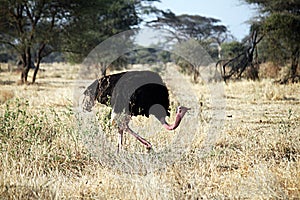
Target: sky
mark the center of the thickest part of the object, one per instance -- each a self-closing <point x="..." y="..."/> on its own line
<point x="233" y="13"/>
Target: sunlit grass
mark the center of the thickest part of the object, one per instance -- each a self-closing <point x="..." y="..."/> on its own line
<point x="257" y="154"/>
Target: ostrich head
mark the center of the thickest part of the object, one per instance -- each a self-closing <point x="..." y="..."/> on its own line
<point x="181" y="110"/>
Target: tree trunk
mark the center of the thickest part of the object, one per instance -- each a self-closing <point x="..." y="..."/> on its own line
<point x="254" y="68"/>
<point x="292" y="74"/>
<point x="24" y="73"/>
<point x="252" y="72"/>
<point x="39" y="59"/>
<point x="219" y="51"/>
<point x="294" y="65"/>
<point x="36" y="71"/>
<point x="26" y="65"/>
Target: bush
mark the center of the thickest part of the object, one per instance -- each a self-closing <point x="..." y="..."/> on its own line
<point x="42" y="140"/>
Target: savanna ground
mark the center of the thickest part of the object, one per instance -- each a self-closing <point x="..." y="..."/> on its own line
<point x="256" y="154"/>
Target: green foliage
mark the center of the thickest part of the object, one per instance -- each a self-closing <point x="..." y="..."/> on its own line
<point x="34" y="137"/>
<point x="190" y="56"/>
<point x="98" y="22"/>
<point x="232" y="49"/>
<point x="152" y="55"/>
<point x="104" y="118"/>
<point x="183" y="27"/>
<point x="208" y="32"/>
<point x="282" y="36"/>
<point x="280" y="23"/>
<point x="35" y="29"/>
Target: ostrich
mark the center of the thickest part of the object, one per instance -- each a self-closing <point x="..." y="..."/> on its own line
<point x="132" y="93"/>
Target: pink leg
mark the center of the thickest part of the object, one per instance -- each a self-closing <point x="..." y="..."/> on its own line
<point x="139" y="138"/>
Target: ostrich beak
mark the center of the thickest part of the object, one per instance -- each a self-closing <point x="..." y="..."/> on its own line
<point x="185" y="108"/>
<point x="182" y="108"/>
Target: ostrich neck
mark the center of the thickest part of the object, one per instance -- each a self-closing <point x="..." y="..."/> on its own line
<point x="173" y="126"/>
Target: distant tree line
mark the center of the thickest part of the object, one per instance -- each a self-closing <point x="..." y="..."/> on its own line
<point x="39" y="30"/>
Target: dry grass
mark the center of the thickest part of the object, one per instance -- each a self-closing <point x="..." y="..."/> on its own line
<point x="6" y="95"/>
<point x="269" y="70"/>
<point x="256" y="154"/>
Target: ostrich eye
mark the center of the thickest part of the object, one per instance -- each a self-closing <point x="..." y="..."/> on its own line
<point x="178" y="110"/>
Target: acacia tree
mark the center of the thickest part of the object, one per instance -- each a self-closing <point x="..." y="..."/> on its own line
<point x="280" y="23"/>
<point x="29" y="25"/>
<point x="181" y="28"/>
<point x="184" y="27"/>
<point x="36" y="28"/>
<point x="118" y="16"/>
<point x="242" y="57"/>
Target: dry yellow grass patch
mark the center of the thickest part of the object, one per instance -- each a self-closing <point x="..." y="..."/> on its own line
<point x="255" y="156"/>
<point x="6" y="95"/>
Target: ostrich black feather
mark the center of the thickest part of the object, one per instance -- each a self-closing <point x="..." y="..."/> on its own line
<point x="132" y="92"/>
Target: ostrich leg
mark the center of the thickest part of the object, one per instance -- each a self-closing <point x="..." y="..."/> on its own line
<point x="120" y="141"/>
<point x="123" y="126"/>
<point x="139" y="138"/>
